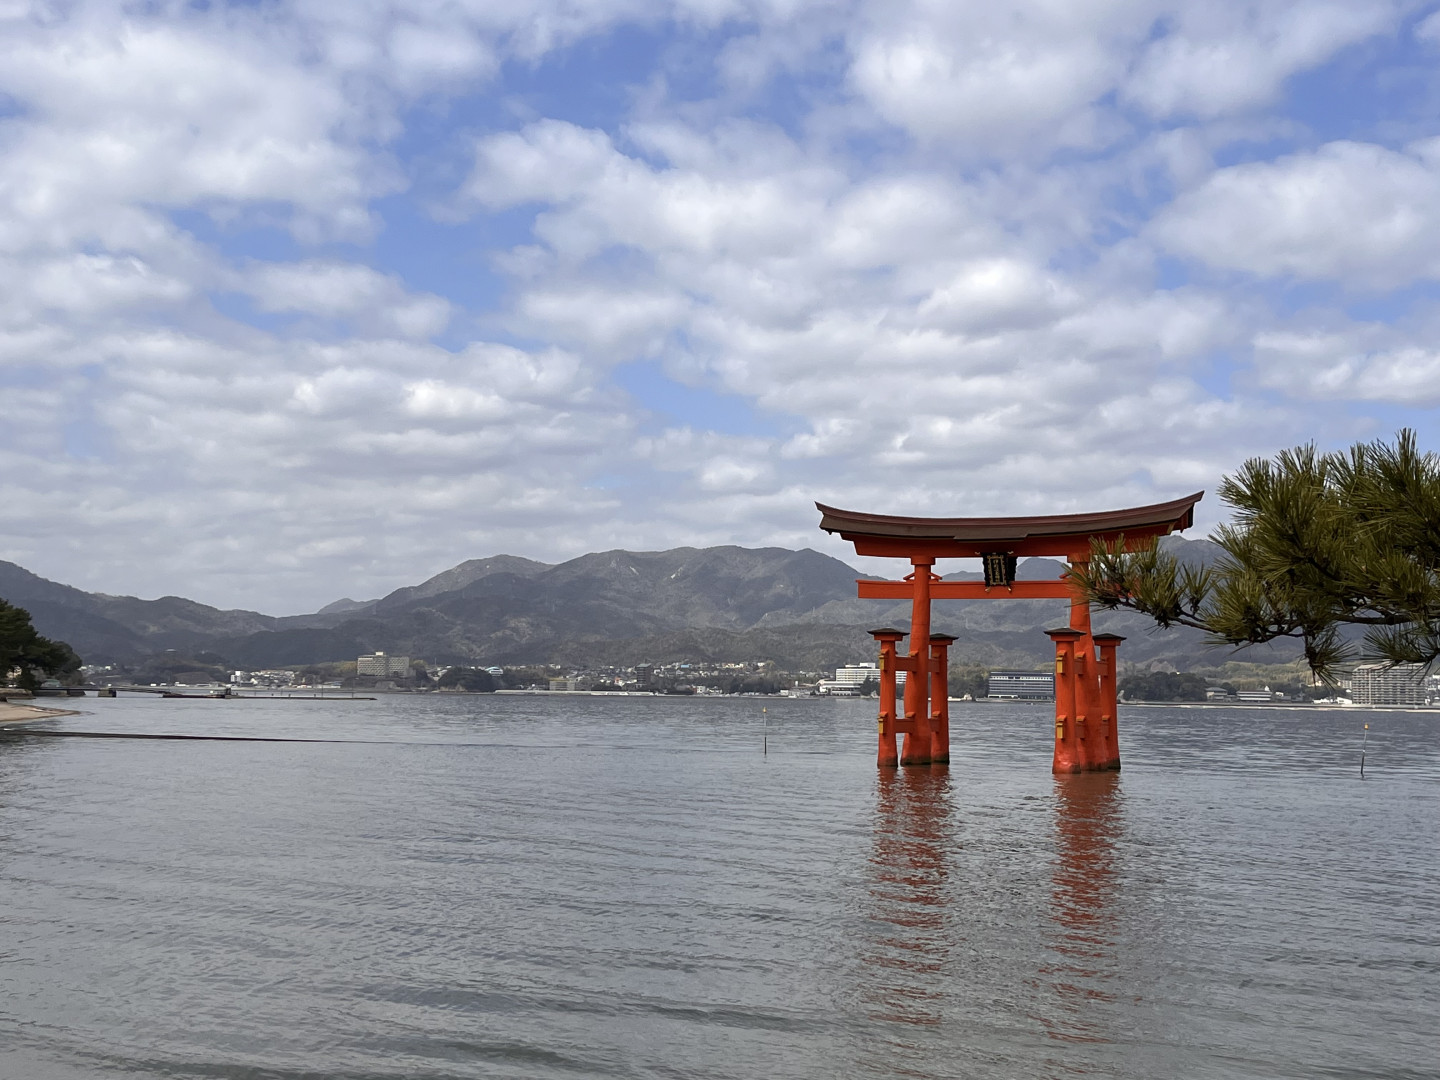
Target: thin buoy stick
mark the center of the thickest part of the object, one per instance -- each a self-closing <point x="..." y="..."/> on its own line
<point x="1363" y="741"/>
<point x="765" y="732"/>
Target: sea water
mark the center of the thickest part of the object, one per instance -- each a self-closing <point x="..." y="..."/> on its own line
<point x="533" y="886"/>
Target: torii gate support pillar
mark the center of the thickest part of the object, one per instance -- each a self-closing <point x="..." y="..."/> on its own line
<point x="940" y="698"/>
<point x="887" y="636"/>
<point x="919" y="742"/>
<point x="1109" y="698"/>
<point x="1070" y="756"/>
<point x="927" y="732"/>
<point x="1087" y="737"/>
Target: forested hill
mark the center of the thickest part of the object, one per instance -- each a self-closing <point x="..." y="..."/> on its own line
<point x="797" y="608"/>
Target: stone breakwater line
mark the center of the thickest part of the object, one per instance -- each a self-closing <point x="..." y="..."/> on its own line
<point x="52" y="733"/>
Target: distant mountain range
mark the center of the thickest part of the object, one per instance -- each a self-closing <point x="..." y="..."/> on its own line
<point x="797" y="608"/>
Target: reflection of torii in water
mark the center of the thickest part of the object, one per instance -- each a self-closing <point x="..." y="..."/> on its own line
<point x="1088" y="828"/>
<point x="1086" y="738"/>
<point x="952" y="955"/>
<point x="913" y="841"/>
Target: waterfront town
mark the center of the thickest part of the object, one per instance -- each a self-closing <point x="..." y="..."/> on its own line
<point x="1373" y="684"/>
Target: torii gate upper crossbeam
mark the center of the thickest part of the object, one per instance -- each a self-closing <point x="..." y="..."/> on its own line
<point x="1058" y="589"/>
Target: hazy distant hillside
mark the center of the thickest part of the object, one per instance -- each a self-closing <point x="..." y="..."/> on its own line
<point x="615" y="607"/>
<point x="508" y="610"/>
<point x="121" y="627"/>
<point x="458" y="577"/>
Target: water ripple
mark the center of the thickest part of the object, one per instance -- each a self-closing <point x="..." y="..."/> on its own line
<point x="532" y="887"/>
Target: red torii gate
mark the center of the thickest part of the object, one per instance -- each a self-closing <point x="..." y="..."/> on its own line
<point x="1086" y="738"/>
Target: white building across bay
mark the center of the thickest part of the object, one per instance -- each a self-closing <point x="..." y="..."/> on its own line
<point x="382" y="665"/>
<point x="850" y="680"/>
<point x="1022" y="685"/>
<point x="1388" y="684"/>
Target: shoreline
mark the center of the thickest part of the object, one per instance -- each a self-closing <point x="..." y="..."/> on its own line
<point x="1297" y="705"/>
<point x="23" y="714"/>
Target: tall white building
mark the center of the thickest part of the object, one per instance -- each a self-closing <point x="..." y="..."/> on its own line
<point x="855" y="674"/>
<point x="1386" y="684"/>
<point x="382" y="665"/>
<point x="850" y="678"/>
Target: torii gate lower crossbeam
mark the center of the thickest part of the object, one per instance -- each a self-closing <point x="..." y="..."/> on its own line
<point x="1086" y="732"/>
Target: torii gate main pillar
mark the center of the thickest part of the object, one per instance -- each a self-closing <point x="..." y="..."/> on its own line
<point x="1086" y="733"/>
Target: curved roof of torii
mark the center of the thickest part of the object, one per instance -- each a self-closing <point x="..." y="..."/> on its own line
<point x="1047" y="534"/>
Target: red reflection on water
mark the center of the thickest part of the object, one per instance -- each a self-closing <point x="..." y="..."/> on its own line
<point x="1088" y="821"/>
<point x="909" y="868"/>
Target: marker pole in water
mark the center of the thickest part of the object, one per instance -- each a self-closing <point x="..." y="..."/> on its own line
<point x="765" y="733"/>
<point x="1363" y="741"/>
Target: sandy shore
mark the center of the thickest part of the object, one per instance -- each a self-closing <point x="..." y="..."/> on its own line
<point x="19" y="714"/>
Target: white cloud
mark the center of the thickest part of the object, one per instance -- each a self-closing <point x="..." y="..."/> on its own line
<point x="88" y="284"/>
<point x="926" y="261"/>
<point x="719" y="464"/>
<point x="928" y="352"/>
<point x="1216" y="59"/>
<point x="612" y="320"/>
<point x="1354" y="363"/>
<point x="309" y="446"/>
<point x="1035" y="75"/>
<point x="994" y="293"/>
<point x="346" y="291"/>
<point x="432" y="399"/>
<point x="145" y="112"/>
<point x="994" y="77"/>
<point x="1347" y="210"/>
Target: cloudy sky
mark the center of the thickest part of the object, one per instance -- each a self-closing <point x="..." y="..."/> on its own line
<point x="310" y="299"/>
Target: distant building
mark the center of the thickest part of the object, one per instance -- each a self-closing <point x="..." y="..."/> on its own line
<point x="383" y="666"/>
<point x="850" y="680"/>
<point x="1387" y="684"/>
<point x="858" y="674"/>
<point x="571" y="683"/>
<point x="1254" y="697"/>
<point x="1022" y="685"/>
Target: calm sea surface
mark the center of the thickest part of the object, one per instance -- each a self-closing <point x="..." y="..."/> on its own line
<point x="587" y="887"/>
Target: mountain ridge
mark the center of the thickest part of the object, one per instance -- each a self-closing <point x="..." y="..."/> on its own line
<point x="797" y="608"/>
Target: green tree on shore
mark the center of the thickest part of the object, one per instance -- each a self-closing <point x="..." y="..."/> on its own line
<point x="972" y="679"/>
<point x="471" y="679"/>
<point x="25" y="656"/>
<point x="1319" y="543"/>
<point x="1163" y="686"/>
